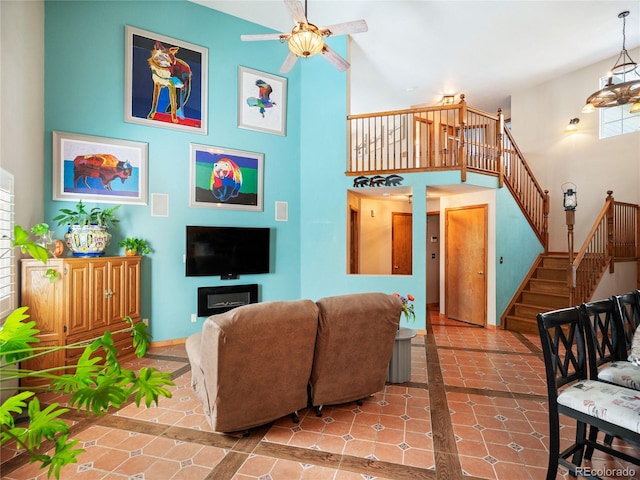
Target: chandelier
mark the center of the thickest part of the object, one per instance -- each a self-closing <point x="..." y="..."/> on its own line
<point x="305" y="40"/>
<point x="626" y="91"/>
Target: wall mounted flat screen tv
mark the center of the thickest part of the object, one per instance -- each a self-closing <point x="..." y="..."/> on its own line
<point x="226" y="251"/>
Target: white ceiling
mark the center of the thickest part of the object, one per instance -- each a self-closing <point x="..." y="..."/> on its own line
<point x="416" y="51"/>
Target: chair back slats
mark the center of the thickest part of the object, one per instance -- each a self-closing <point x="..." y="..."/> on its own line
<point x="562" y="338"/>
<point x="629" y="308"/>
<point x="602" y="327"/>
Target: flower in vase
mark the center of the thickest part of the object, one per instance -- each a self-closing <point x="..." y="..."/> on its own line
<point x="407" y="306"/>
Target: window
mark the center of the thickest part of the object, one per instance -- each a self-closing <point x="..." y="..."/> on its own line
<point x="7" y="255"/>
<point x="617" y="120"/>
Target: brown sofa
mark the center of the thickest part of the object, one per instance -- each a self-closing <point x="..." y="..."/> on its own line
<point x="251" y="365"/>
<point x="354" y="344"/>
<point x="260" y="362"/>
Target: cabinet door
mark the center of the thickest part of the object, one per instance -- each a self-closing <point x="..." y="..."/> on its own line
<point x="45" y="300"/>
<point x="100" y="295"/>
<point x="117" y="293"/>
<point x="131" y="296"/>
<point x="77" y="283"/>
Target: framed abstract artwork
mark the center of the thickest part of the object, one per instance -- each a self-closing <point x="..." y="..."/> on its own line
<point x="262" y="101"/>
<point x="165" y="82"/>
<point x="225" y="178"/>
<point x="99" y="169"/>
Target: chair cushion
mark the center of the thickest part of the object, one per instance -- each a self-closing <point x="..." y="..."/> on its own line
<point x="634" y="356"/>
<point x="625" y="374"/>
<point x="611" y="403"/>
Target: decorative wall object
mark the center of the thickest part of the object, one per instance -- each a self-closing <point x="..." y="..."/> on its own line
<point x="99" y="169"/>
<point x="262" y="101"/>
<point x="165" y="82"/>
<point x="378" y="181"/>
<point x="225" y="178"/>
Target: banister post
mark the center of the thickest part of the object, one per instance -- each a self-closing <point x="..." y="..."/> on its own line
<point x="462" y="121"/>
<point x="500" y="158"/>
<point x="545" y="221"/>
<point x="611" y="252"/>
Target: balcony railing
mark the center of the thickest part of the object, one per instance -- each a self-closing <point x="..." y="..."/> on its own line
<point x="451" y="137"/>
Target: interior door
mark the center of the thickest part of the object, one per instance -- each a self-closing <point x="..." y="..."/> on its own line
<point x="466" y="262"/>
<point x="401" y="243"/>
<point x="354" y="240"/>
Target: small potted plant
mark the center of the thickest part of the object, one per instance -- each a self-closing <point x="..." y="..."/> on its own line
<point x="135" y="246"/>
<point x="88" y="234"/>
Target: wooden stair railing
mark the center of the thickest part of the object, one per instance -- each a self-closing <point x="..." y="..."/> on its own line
<point x="614" y="236"/>
<point x="451" y="137"/>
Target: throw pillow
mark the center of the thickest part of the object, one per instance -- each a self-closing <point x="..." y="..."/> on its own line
<point x="634" y="356"/>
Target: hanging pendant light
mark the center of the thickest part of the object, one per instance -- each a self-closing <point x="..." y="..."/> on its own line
<point x="627" y="91"/>
<point x="305" y="40"/>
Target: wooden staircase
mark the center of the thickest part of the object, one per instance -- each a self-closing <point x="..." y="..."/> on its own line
<point x="546" y="290"/>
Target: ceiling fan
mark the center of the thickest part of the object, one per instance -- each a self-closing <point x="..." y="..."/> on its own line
<point x="306" y="40"/>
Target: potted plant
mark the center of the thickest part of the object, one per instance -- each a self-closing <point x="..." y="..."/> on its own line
<point x="88" y="234"/>
<point x="135" y="246"/>
<point x="93" y="385"/>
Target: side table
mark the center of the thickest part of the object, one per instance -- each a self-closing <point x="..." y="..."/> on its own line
<point x="400" y="364"/>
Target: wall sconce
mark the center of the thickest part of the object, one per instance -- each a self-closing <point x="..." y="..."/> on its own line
<point x="569" y="196"/>
<point x="448" y="99"/>
<point x="573" y="125"/>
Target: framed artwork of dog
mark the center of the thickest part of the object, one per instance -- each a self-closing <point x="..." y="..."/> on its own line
<point x="165" y="82"/>
<point x="99" y="169"/>
<point x="262" y="101"/>
<point x="225" y="178"/>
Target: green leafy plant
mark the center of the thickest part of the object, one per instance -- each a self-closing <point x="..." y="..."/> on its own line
<point x="135" y="244"/>
<point x="21" y="239"/>
<point x="82" y="216"/>
<point x="96" y="383"/>
<point x="407" y="306"/>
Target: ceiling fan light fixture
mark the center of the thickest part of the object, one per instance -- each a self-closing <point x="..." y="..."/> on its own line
<point x="615" y="94"/>
<point x="305" y="40"/>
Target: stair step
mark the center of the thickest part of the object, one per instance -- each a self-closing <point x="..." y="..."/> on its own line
<point x="545" y="299"/>
<point x="519" y="324"/>
<point x="552" y="273"/>
<point x="527" y="310"/>
<point x="546" y="285"/>
<point x="555" y="262"/>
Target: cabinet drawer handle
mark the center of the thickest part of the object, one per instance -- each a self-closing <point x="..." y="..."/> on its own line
<point x="108" y="293"/>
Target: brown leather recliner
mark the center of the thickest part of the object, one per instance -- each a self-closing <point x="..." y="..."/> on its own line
<point x="251" y="365"/>
<point x="356" y="334"/>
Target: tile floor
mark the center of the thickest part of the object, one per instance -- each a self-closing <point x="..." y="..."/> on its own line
<point x="475" y="408"/>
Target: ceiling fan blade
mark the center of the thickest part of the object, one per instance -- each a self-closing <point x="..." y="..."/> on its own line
<point x="357" y="26"/>
<point x="264" y="36"/>
<point x="288" y="63"/>
<point x="336" y="60"/>
<point x="297" y="11"/>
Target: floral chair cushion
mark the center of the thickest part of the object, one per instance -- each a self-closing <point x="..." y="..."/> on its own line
<point x="612" y="403"/>
<point x="625" y="374"/>
<point x="634" y="356"/>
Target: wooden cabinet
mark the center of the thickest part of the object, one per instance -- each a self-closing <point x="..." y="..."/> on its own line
<point x="90" y="296"/>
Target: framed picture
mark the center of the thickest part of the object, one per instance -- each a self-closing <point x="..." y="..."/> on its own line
<point x="262" y="101"/>
<point x="99" y="169"/>
<point x="225" y="178"/>
<point x="165" y="82"/>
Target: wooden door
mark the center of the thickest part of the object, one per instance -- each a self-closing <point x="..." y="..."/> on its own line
<point x="354" y="241"/>
<point x="45" y="300"/>
<point x="401" y="243"/>
<point x="76" y="278"/>
<point x="100" y="296"/>
<point x="466" y="264"/>
<point x="131" y="288"/>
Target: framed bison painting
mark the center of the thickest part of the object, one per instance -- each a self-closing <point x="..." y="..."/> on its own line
<point x="224" y="178"/>
<point x="99" y="169"/>
<point x="165" y="82"/>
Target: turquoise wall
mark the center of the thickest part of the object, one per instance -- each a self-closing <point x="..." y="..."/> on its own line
<point x="84" y="93"/>
<point x="516" y="243"/>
